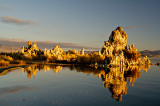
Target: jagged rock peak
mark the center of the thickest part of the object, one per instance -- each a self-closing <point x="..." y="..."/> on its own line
<point x="29" y="44"/>
<point x="57" y="50"/>
<point x="118" y="37"/>
<point x="35" y="47"/>
<point x="116" y="43"/>
<point x="82" y="51"/>
<point x="116" y="52"/>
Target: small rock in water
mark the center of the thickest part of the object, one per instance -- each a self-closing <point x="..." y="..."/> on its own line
<point x="158" y="64"/>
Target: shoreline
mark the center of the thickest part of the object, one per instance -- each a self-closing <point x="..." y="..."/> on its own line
<point x="59" y="64"/>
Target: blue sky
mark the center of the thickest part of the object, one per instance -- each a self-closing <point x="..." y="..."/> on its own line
<point x="82" y="22"/>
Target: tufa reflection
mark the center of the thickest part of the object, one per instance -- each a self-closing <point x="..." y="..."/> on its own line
<point x="115" y="78"/>
<point x="34" y="69"/>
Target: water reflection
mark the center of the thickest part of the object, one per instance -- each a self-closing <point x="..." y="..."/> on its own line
<point x="115" y="79"/>
<point x="34" y="69"/>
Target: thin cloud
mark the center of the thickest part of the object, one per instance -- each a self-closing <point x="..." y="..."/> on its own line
<point x="12" y="40"/>
<point x="5" y="8"/>
<point x="13" y="20"/>
<point x="131" y="27"/>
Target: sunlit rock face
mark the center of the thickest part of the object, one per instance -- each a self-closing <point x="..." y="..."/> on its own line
<point x="29" y="44"/>
<point x="118" y="39"/>
<point x="55" y="52"/>
<point x="116" y="43"/>
<point x="82" y="52"/>
<point x="145" y="60"/>
<point x="34" y="47"/>
<point x="116" y="52"/>
<point x="31" y="50"/>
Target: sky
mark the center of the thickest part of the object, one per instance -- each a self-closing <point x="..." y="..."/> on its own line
<point x="81" y="22"/>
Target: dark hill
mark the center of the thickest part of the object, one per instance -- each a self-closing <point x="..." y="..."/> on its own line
<point x="149" y="53"/>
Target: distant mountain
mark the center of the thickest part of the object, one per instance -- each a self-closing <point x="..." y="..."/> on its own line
<point x="44" y="44"/>
<point x="149" y="53"/>
<point x="4" y="48"/>
<point x="13" y="45"/>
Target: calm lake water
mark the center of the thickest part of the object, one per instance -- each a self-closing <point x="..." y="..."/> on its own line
<point x="47" y="85"/>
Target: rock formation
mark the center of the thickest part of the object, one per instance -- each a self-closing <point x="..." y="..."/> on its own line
<point x="31" y="50"/>
<point x="158" y="64"/>
<point x="116" y="43"/>
<point x="73" y="52"/>
<point x="55" y="52"/>
<point x="29" y="44"/>
<point x="116" y="52"/>
<point x="34" y="47"/>
<point x="113" y="53"/>
<point x="82" y="52"/>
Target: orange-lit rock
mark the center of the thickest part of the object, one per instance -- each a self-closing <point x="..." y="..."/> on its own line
<point x="116" y="52"/>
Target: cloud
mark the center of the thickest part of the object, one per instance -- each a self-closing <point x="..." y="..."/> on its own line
<point x="4" y="8"/>
<point x="131" y="27"/>
<point x="43" y="44"/>
<point x="13" y="20"/>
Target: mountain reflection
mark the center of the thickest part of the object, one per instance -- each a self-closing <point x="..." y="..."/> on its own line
<point x="115" y="79"/>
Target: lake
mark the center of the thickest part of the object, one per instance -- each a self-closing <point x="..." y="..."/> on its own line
<point x="47" y="85"/>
